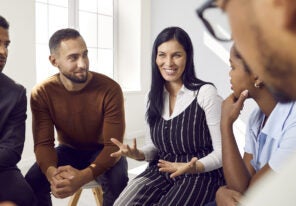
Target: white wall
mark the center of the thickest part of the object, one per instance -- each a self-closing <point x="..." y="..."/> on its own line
<point x="21" y="58"/>
<point x="134" y="60"/>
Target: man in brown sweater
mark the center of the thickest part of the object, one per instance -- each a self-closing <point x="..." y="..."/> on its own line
<point x="86" y="109"/>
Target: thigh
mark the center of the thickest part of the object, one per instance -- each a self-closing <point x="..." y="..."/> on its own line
<point x="14" y="188"/>
<point x="190" y="190"/>
<point x="37" y="179"/>
<point x="144" y="190"/>
<point x="78" y="159"/>
<point x="115" y="177"/>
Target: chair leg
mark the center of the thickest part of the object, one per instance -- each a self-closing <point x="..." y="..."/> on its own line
<point x="74" y="199"/>
<point x="98" y="194"/>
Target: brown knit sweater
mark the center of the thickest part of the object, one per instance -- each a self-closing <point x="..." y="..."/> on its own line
<point x="83" y="119"/>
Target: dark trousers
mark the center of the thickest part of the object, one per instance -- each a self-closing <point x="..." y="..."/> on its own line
<point x="113" y="181"/>
<point x="211" y="204"/>
<point x="14" y="188"/>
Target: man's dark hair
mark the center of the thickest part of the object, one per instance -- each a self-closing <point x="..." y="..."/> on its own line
<point x="3" y="23"/>
<point x="61" y="35"/>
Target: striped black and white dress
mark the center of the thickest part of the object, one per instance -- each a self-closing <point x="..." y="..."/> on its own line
<point x="177" y="140"/>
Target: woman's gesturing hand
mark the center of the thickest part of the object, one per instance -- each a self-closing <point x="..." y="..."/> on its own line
<point x="126" y="150"/>
<point x="179" y="168"/>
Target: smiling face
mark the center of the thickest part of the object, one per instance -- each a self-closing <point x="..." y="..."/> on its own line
<point x="171" y="61"/>
<point x="71" y="58"/>
<point x="4" y="42"/>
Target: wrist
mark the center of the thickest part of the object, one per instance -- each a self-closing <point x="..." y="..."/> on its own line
<point x="91" y="168"/>
<point x="50" y="172"/>
<point x="87" y="175"/>
<point x="200" y="168"/>
<point x="140" y="156"/>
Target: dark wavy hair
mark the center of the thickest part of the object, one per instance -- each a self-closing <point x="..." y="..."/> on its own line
<point x="190" y="81"/>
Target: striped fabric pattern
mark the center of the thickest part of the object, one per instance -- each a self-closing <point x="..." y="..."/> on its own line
<point x="178" y="140"/>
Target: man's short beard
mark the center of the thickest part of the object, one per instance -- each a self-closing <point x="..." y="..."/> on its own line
<point x="280" y="96"/>
<point x="275" y="65"/>
<point x="75" y="79"/>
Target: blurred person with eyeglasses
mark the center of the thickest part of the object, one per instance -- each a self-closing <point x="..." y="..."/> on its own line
<point x="265" y="35"/>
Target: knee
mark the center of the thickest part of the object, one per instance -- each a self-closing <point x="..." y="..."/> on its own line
<point x="35" y="177"/>
<point x="25" y="199"/>
<point x="22" y="196"/>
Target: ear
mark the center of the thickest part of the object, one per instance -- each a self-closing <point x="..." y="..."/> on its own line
<point x="259" y="82"/>
<point x="287" y="12"/>
<point x="53" y="60"/>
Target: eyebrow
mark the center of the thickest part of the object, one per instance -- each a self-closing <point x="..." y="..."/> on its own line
<point x="176" y="52"/>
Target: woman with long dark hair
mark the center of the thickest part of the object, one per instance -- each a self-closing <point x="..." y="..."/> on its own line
<point x="184" y="144"/>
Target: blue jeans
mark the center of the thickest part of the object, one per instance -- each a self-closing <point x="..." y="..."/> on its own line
<point x="13" y="187"/>
<point x="113" y="181"/>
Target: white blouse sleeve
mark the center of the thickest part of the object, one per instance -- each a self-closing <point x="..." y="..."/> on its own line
<point x="210" y="102"/>
<point x="149" y="149"/>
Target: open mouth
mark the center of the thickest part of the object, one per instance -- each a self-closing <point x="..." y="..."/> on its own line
<point x="170" y="71"/>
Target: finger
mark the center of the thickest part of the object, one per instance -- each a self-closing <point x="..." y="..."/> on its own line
<point x="57" y="177"/>
<point x="243" y="96"/>
<point x="166" y="169"/>
<point x="134" y="143"/>
<point x="62" y="184"/>
<point x="64" y="168"/>
<point x="176" y="174"/>
<point x="164" y="162"/>
<point x="193" y="161"/>
<point x="236" y="195"/>
<point x="61" y="193"/>
<point x="116" y="142"/>
<point x="67" y="175"/>
<point x="128" y="149"/>
<point x="163" y="166"/>
<point x="116" y="154"/>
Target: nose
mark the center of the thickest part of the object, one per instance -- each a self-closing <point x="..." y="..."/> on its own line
<point x="3" y="49"/>
<point x="169" y="61"/>
<point x="82" y="63"/>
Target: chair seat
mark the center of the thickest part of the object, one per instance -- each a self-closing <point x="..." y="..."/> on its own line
<point x="97" y="192"/>
<point x="91" y="185"/>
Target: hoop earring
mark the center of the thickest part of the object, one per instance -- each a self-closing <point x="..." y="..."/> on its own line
<point x="257" y="86"/>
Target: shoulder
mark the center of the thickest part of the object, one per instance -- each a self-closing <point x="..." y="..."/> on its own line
<point x="208" y="89"/>
<point x="103" y="81"/>
<point x="208" y="94"/>
<point x="10" y="87"/>
<point x="46" y="85"/>
<point x="255" y="117"/>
